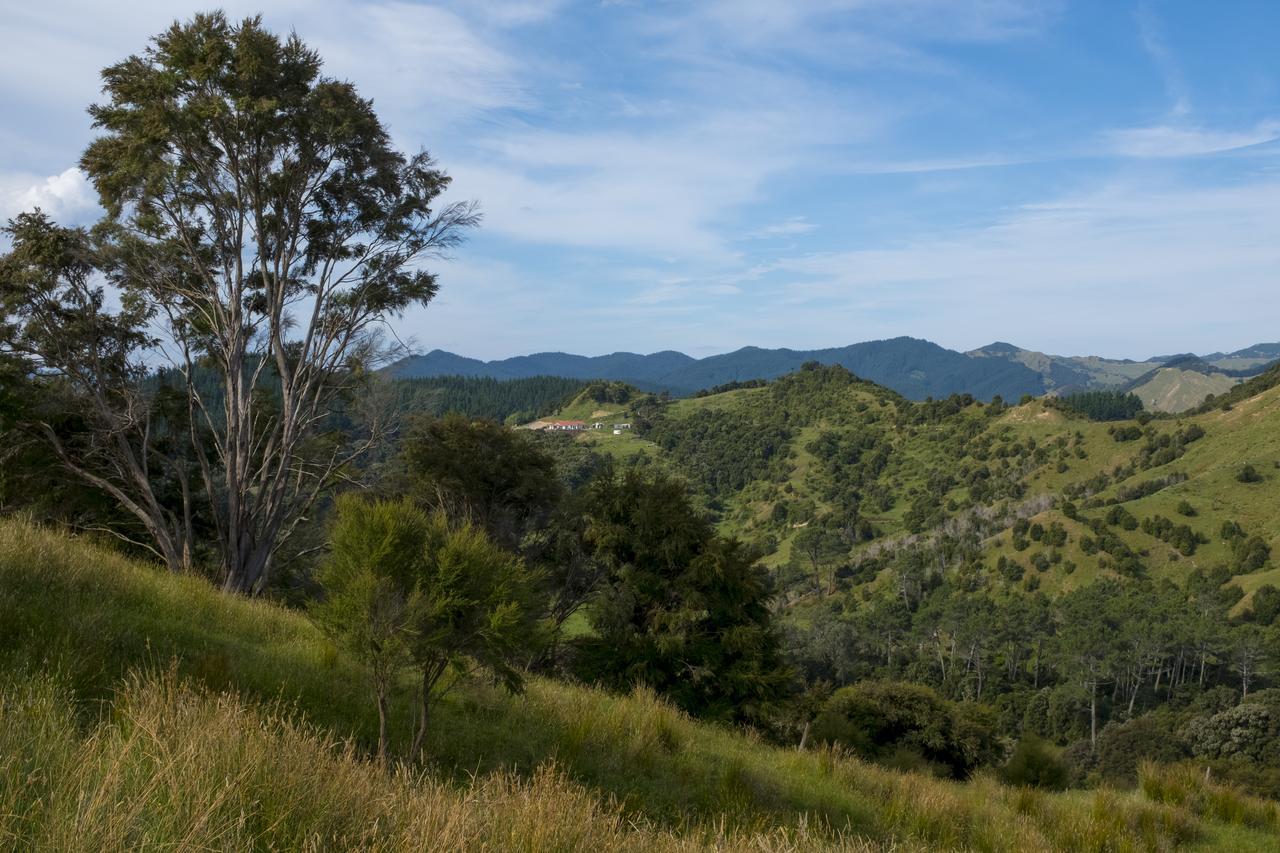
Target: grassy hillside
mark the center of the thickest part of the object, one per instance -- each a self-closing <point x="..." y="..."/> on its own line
<point x="145" y="710"/>
<point x="1172" y="390"/>
<point x="752" y="453"/>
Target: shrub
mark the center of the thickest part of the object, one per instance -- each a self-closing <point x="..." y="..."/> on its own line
<point x="1245" y="731"/>
<point x="1035" y="763"/>
<point x="1266" y="605"/>
<point x="1249" y="474"/>
<point x="1123" y="746"/>
<point x="880" y="720"/>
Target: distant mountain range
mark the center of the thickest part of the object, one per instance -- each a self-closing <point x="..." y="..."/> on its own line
<point x="914" y="368"/>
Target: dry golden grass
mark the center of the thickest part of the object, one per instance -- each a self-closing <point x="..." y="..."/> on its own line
<point x="179" y="768"/>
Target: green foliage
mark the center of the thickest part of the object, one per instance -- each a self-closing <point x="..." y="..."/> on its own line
<point x="608" y="392"/>
<point x="880" y="719"/>
<point x="1180" y="536"/>
<point x="373" y="600"/>
<point x="251" y="783"/>
<point x="1123" y="746"/>
<point x="1104" y="405"/>
<point x="1035" y="763"/>
<point x="1249" y="474"/>
<point x="1127" y="433"/>
<point x="401" y="584"/>
<point x="735" y="385"/>
<point x="1247" y="731"/>
<point x="1249" y="553"/>
<point x="1245" y="390"/>
<point x="685" y="612"/>
<point x="518" y="400"/>
<point x="495" y="475"/>
<point x="719" y="449"/>
<point x="1265" y="609"/>
<point x="238" y="183"/>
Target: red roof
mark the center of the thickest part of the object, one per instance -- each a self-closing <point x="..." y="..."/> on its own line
<point x="568" y="423"/>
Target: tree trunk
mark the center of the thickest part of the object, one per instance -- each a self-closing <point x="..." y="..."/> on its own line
<point x="804" y="735"/>
<point x="430" y="675"/>
<point x="1093" y="716"/>
<point x="382" y="728"/>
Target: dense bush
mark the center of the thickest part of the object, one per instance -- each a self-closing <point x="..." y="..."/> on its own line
<point x="483" y="397"/>
<point x="1037" y="764"/>
<point x="878" y="719"/>
<point x="1123" y="746"/>
<point x="1249" y="731"/>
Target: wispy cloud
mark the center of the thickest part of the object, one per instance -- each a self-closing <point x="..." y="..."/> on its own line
<point x="1175" y="141"/>
<point x="1128" y="268"/>
<point x="787" y="228"/>
<point x="643" y="165"/>
<point x="1151" y="36"/>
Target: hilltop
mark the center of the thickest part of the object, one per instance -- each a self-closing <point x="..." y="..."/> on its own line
<point x="914" y="368"/>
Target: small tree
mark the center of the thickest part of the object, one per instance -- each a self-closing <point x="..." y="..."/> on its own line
<point x="819" y="546"/>
<point x="373" y="598"/>
<point x="406" y="587"/>
<point x="476" y="611"/>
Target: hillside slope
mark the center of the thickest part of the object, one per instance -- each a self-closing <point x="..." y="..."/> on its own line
<point x="822" y="443"/>
<point x="92" y="757"/>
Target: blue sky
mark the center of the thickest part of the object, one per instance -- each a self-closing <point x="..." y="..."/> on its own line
<point x="1077" y="177"/>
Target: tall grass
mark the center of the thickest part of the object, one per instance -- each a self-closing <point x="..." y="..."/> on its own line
<point x="252" y="732"/>
<point x="1189" y="788"/>
<point x="177" y="767"/>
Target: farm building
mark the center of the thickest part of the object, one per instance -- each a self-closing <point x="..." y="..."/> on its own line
<point x="566" y="426"/>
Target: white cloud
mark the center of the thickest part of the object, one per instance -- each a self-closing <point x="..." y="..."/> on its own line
<point x="662" y="191"/>
<point x="67" y="197"/>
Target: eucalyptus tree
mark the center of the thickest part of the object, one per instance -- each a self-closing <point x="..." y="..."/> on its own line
<point x="263" y="224"/>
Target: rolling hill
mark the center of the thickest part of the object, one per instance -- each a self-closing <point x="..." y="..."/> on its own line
<point x="916" y="369"/>
<point x="768" y="459"/>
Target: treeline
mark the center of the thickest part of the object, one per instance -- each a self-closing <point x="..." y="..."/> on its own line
<point x="517" y="400"/>
<point x="735" y="385"/>
<point x="1101" y="405"/>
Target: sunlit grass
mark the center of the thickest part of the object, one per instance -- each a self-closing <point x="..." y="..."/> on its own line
<point x="248" y="730"/>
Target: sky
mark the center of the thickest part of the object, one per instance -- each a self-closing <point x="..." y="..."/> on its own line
<point x="1073" y="177"/>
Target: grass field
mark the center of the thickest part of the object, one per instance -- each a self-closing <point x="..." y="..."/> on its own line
<point x="145" y="710"/>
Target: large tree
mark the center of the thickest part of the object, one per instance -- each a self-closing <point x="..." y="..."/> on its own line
<point x="263" y="225"/>
<point x="686" y="611"/>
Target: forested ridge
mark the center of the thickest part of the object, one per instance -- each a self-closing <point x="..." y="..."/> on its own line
<point x="1101" y="582"/>
<point x="515" y="400"/>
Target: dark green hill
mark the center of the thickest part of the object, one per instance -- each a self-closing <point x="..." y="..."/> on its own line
<point x="914" y="368"/>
